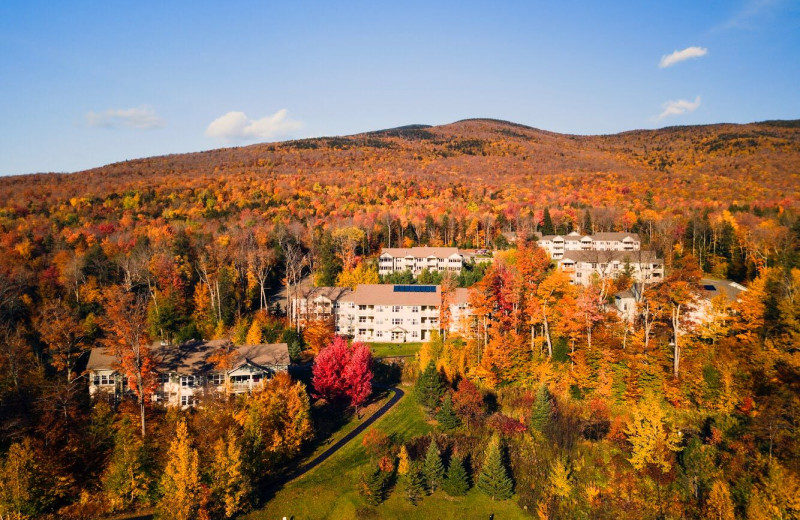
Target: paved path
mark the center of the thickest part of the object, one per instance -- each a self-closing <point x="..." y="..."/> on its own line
<point x="322" y="457"/>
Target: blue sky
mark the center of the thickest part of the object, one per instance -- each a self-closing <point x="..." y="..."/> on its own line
<point x="87" y="83"/>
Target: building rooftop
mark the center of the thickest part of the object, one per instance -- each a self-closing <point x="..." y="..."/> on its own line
<point x="420" y="252"/>
<point x="609" y="236"/>
<point x="387" y="294"/>
<point x="331" y="293"/>
<point x="193" y="357"/>
<point x="713" y="287"/>
<point x="633" y="257"/>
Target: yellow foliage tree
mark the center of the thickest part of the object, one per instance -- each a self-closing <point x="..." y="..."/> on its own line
<point x="360" y="274"/>
<point x="719" y="505"/>
<point x="650" y="438"/>
<point x="181" y="490"/>
<point x="404" y="461"/>
<point x="230" y="486"/>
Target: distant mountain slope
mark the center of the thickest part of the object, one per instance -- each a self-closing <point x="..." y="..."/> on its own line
<point x="756" y="163"/>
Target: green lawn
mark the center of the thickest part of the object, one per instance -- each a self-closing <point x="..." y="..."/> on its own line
<point x="329" y="491"/>
<point x="380" y="350"/>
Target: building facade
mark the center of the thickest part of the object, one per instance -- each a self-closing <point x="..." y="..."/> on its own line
<point x="317" y="303"/>
<point x="417" y="259"/>
<point x="585" y="266"/>
<point x="557" y="245"/>
<point x="188" y="372"/>
<point x="389" y="313"/>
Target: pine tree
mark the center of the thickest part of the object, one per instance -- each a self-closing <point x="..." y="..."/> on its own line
<point x="372" y="486"/>
<point x="456" y="483"/>
<point x="429" y="387"/>
<point x="414" y="484"/>
<point x="180" y="484"/>
<point x="493" y="479"/>
<point x="547" y="223"/>
<point x="588" y="228"/>
<point x="433" y="467"/>
<point x="404" y="461"/>
<point x="447" y="417"/>
<point x="542" y="409"/>
<point x="230" y="485"/>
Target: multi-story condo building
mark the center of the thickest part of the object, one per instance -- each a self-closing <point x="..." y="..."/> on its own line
<point x="317" y="303"/>
<point x="583" y="266"/>
<point x="191" y="370"/>
<point x="557" y="245"/>
<point x="416" y="259"/>
<point x="393" y="313"/>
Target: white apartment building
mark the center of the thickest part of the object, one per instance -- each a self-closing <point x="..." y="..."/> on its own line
<point x="186" y="373"/>
<point x="391" y="313"/>
<point x="584" y="266"/>
<point x="416" y="259"/>
<point x="557" y="245"/>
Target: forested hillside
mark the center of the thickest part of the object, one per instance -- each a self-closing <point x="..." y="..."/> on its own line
<point x="659" y="418"/>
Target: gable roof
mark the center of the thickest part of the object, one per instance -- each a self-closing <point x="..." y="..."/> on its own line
<point x="193" y="357"/>
<point x="331" y="293"/>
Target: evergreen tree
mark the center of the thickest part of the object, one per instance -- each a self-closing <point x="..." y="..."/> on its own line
<point x="587" y="228"/>
<point x="542" y="409"/>
<point x="447" y="417"/>
<point x="404" y="461"/>
<point x="295" y="349"/>
<point x="127" y="480"/>
<point x="433" y="467"/>
<point x="414" y="484"/>
<point x="547" y="223"/>
<point x="429" y="387"/>
<point x="456" y="483"/>
<point x="493" y="479"/>
<point x="372" y="486"/>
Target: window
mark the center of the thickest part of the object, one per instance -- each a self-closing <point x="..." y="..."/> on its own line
<point x="362" y="319"/>
<point x="187" y="381"/>
<point x="362" y="332"/>
<point x="397" y="321"/>
<point x="414" y="321"/>
<point x="415" y="334"/>
<point x="362" y="307"/>
<point x="163" y="378"/>
<point x="216" y="379"/>
<point x="188" y="400"/>
<point x="104" y="380"/>
<point x="395" y="308"/>
<point x="379" y="334"/>
<point x="415" y="308"/>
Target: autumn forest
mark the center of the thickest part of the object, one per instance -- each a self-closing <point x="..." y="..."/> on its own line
<point x="551" y="404"/>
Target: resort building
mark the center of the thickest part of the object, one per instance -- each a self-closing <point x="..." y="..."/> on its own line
<point x="191" y="370"/>
<point x="417" y="259"/>
<point x="557" y="245"/>
<point x="584" y="266"/>
<point x="393" y="313"/>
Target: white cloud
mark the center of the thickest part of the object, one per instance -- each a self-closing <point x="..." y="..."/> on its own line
<point x="237" y="127"/>
<point x="676" y="108"/>
<point x="140" y="118"/>
<point x="747" y="16"/>
<point x="679" y="56"/>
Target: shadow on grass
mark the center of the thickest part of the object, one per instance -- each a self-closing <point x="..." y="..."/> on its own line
<point x="268" y="492"/>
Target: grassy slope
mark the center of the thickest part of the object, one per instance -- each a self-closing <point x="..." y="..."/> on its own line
<point x="329" y="491"/>
<point x="380" y="350"/>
